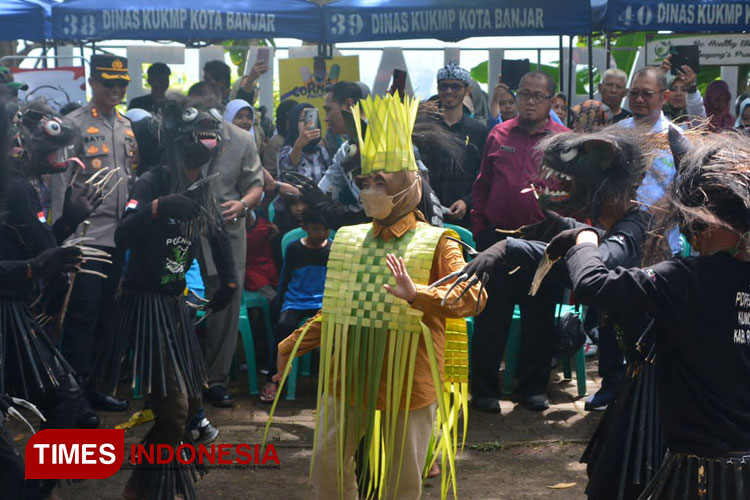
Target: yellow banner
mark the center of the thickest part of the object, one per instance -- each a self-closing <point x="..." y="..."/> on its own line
<point x="309" y="79"/>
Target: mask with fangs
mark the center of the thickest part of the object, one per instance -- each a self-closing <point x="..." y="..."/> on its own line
<point x="590" y="169"/>
<point x="44" y="140"/>
<point x="191" y="127"/>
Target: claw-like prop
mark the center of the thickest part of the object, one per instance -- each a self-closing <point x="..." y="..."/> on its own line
<point x="469" y="249"/>
<point x="473" y="281"/>
<point x="485" y="279"/>
<point x="6" y="407"/>
<point x="445" y="279"/>
<point x="460" y="279"/>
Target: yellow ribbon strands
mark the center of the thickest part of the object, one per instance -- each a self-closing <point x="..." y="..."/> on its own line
<point x="369" y="340"/>
<point x="387" y="142"/>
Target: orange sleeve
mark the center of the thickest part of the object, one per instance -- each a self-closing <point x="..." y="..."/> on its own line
<point x="448" y="258"/>
<point x="309" y="342"/>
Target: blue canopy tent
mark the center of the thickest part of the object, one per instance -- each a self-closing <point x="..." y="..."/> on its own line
<point x="687" y="16"/>
<point x="21" y="20"/>
<point x="449" y="20"/>
<point x="185" y="20"/>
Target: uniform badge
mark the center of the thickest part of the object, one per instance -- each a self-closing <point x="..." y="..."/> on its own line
<point x="92" y="150"/>
<point x="94" y="113"/>
<point x="509" y="149"/>
<point x="105" y="148"/>
<point x="129" y="132"/>
<point x="96" y="164"/>
<point x="92" y="130"/>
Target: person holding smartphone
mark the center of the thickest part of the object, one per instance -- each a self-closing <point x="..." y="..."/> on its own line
<point x="684" y="102"/>
<point x="302" y="151"/>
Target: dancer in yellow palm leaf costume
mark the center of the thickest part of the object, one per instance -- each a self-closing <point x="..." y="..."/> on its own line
<point x="383" y="343"/>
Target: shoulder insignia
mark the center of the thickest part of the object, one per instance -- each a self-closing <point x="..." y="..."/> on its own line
<point x="129" y="132"/>
<point x="94" y="113"/>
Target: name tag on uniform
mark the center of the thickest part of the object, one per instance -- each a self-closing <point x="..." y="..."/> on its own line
<point x="508" y="149"/>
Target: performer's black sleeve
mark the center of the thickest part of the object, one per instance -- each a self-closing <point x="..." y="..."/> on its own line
<point x="25" y="215"/>
<point x="335" y="215"/>
<point x="658" y="289"/>
<point x="61" y="230"/>
<point x="137" y="220"/>
<point x="13" y="277"/>
<point x="622" y="245"/>
<point x="221" y="248"/>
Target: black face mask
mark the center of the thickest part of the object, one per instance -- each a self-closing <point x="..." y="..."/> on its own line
<point x="43" y="140"/>
<point x="199" y="133"/>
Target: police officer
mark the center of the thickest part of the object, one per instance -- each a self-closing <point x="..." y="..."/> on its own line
<point x="107" y="146"/>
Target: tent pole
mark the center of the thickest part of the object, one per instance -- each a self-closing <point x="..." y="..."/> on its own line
<point x="591" y="66"/>
<point x="560" y="64"/>
<point x="609" y="50"/>
<point x="570" y="72"/>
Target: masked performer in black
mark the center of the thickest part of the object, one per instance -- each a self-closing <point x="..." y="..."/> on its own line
<point x="170" y="207"/>
<point x="598" y="175"/>
<point x="701" y="307"/>
<point x="34" y="270"/>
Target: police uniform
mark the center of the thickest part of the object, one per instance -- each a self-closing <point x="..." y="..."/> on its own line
<point x="106" y="143"/>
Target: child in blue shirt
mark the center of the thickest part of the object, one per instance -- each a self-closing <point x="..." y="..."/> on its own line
<point x="303" y="276"/>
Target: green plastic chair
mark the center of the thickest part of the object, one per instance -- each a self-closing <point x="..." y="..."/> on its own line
<point x="249" y="345"/>
<point x="253" y="300"/>
<point x="513" y="352"/>
<point x="463" y="233"/>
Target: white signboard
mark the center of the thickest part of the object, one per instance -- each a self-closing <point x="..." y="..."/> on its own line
<point x="58" y="86"/>
<point x="715" y="50"/>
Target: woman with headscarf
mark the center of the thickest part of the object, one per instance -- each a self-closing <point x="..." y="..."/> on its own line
<point x="302" y="152"/>
<point x="269" y="157"/>
<point x="590" y="116"/>
<point x="717" y="102"/>
<point x="743" y="116"/>
<point x="241" y="113"/>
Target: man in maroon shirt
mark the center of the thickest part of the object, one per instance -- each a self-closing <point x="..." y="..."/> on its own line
<point x="509" y="165"/>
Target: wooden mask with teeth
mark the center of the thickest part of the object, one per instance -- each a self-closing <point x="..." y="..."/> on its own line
<point x="590" y="169"/>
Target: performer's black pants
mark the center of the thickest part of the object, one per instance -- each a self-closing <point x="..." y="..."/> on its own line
<point x="91" y="312"/>
<point x="59" y="405"/>
<point x="11" y="467"/>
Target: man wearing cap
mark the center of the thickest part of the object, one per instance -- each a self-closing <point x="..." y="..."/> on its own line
<point x="107" y="149"/>
<point x="453" y="184"/>
<point x="158" y="80"/>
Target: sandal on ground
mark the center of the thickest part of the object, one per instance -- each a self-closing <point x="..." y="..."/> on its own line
<point x="434" y="471"/>
<point x="268" y="393"/>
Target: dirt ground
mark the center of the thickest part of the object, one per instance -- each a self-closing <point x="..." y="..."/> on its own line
<point x="513" y="456"/>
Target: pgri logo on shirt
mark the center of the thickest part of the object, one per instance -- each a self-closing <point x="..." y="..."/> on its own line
<point x="74" y="453"/>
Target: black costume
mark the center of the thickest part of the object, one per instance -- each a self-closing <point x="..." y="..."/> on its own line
<point x="30" y="365"/>
<point x="703" y="359"/>
<point x="160" y="228"/>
